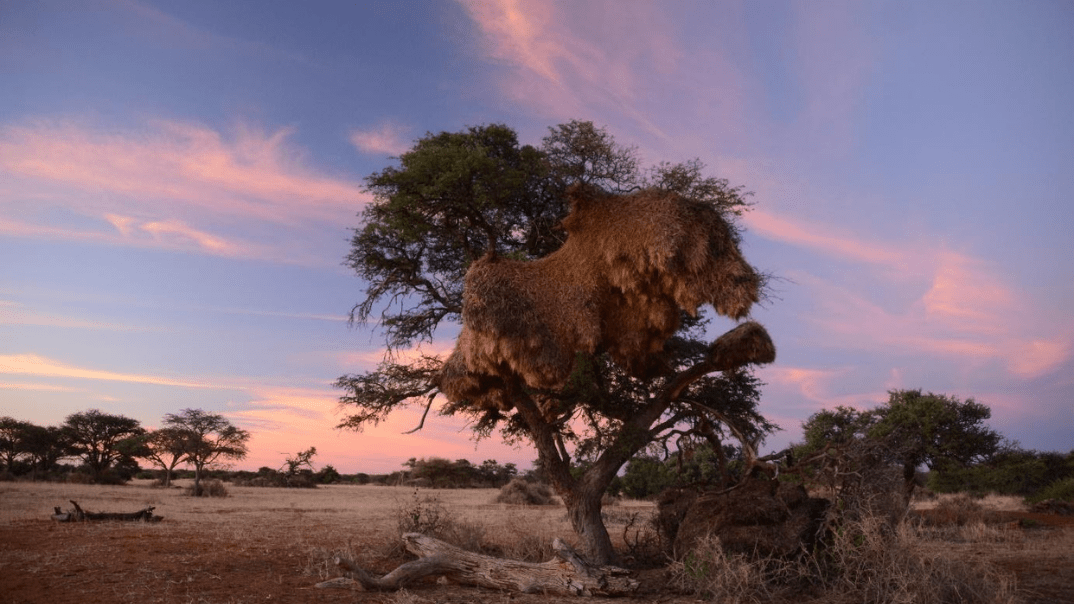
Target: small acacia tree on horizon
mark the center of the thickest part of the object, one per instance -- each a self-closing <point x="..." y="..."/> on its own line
<point x="459" y="199"/>
<point x="166" y="448"/>
<point x="207" y="439"/>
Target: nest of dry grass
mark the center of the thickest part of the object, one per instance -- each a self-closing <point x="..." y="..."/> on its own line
<point x="630" y="265"/>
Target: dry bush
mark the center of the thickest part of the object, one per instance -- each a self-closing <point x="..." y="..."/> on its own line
<point x="208" y="488"/>
<point x="521" y="492"/>
<point x="862" y="563"/>
<point x="957" y="510"/>
<point x="733" y="578"/>
<point x="428" y="516"/>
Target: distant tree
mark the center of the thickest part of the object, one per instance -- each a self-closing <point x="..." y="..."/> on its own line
<point x="208" y="439"/>
<point x="935" y="430"/>
<point x="292" y="465"/>
<point x="98" y="439"/>
<point x="646" y="475"/>
<point x="12" y="442"/>
<point x="328" y="475"/>
<point x="45" y="445"/>
<point x="166" y="448"/>
<point x="917" y="429"/>
<point x="838" y="426"/>
<point x="492" y="474"/>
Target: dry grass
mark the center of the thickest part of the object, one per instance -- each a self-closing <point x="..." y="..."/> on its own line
<point x="281" y="541"/>
<point x="863" y="563"/>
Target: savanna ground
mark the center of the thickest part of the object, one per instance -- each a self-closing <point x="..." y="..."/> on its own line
<point x="274" y="545"/>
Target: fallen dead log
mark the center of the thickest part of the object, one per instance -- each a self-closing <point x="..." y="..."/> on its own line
<point x="80" y="515"/>
<point x="564" y="575"/>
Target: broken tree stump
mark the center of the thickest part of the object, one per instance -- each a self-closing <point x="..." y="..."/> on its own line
<point x="565" y="575"/>
<point x="79" y="515"/>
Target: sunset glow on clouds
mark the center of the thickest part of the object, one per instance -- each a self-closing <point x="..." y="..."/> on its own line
<point x="178" y="185"/>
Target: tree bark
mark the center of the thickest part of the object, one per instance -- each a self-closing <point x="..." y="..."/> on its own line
<point x="78" y="515"/>
<point x="564" y="575"/>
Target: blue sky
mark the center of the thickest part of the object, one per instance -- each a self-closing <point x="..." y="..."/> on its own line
<point x="178" y="182"/>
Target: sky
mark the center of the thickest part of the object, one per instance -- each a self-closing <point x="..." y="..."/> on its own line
<point x="179" y="183"/>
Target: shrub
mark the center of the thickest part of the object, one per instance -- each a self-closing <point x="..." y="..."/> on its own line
<point x="959" y="510"/>
<point x="522" y="492"/>
<point x="863" y="562"/>
<point x="208" y="488"/>
<point x="1062" y="490"/>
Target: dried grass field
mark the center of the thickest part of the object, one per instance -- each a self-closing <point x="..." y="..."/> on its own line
<point x="274" y="545"/>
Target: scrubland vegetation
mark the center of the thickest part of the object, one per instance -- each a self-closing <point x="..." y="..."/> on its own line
<point x="258" y="544"/>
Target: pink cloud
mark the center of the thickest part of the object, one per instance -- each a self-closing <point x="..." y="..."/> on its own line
<point x="12" y="313"/>
<point x="35" y="365"/>
<point x="823" y="238"/>
<point x="817" y="386"/>
<point x="555" y="62"/>
<point x="387" y="139"/>
<point x="165" y="180"/>
<point x="38" y="387"/>
<point x="967" y="313"/>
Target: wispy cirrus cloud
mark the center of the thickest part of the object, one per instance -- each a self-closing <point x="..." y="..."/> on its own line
<point x="556" y="63"/>
<point x="166" y="184"/>
<point x="39" y="366"/>
<point x="967" y="313"/>
<point x="388" y="138"/>
<point x="824" y="238"/>
<point x="14" y="313"/>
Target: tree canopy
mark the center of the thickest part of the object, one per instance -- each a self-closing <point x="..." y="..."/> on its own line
<point x="206" y="439"/>
<point x="920" y="429"/>
<point x="456" y="198"/>
<point x="101" y="439"/>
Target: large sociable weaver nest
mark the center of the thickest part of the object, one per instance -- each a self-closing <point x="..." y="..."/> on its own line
<point x="629" y="266"/>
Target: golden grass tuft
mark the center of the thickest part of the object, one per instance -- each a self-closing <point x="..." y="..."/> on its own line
<point x="630" y="265"/>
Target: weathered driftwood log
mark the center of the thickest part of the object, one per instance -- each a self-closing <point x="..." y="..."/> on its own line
<point x="565" y="575"/>
<point x="78" y="515"/>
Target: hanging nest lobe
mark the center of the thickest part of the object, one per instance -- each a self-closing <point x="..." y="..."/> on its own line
<point x="629" y="265"/>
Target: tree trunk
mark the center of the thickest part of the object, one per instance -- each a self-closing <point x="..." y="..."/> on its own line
<point x="583" y="508"/>
<point x="564" y="575"/>
<point x="78" y="515"/>
<point x="197" y="480"/>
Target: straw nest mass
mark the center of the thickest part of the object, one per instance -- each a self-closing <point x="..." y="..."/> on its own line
<point x="630" y="265"/>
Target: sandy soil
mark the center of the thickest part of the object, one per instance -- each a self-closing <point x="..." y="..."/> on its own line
<point x="271" y="545"/>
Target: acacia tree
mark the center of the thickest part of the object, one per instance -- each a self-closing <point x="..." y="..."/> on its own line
<point x="207" y="438"/>
<point x="455" y="197"/>
<point x="917" y="429"/>
<point x="295" y="463"/>
<point x="12" y="442"/>
<point x="166" y="448"/>
<point x="98" y="438"/>
<point x="45" y="445"/>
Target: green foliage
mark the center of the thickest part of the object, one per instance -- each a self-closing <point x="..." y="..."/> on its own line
<point x="1011" y="472"/>
<point x="328" y="475"/>
<point x="441" y="473"/>
<point x="941" y="432"/>
<point x="1062" y="490"/>
<point x="646" y="476"/>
